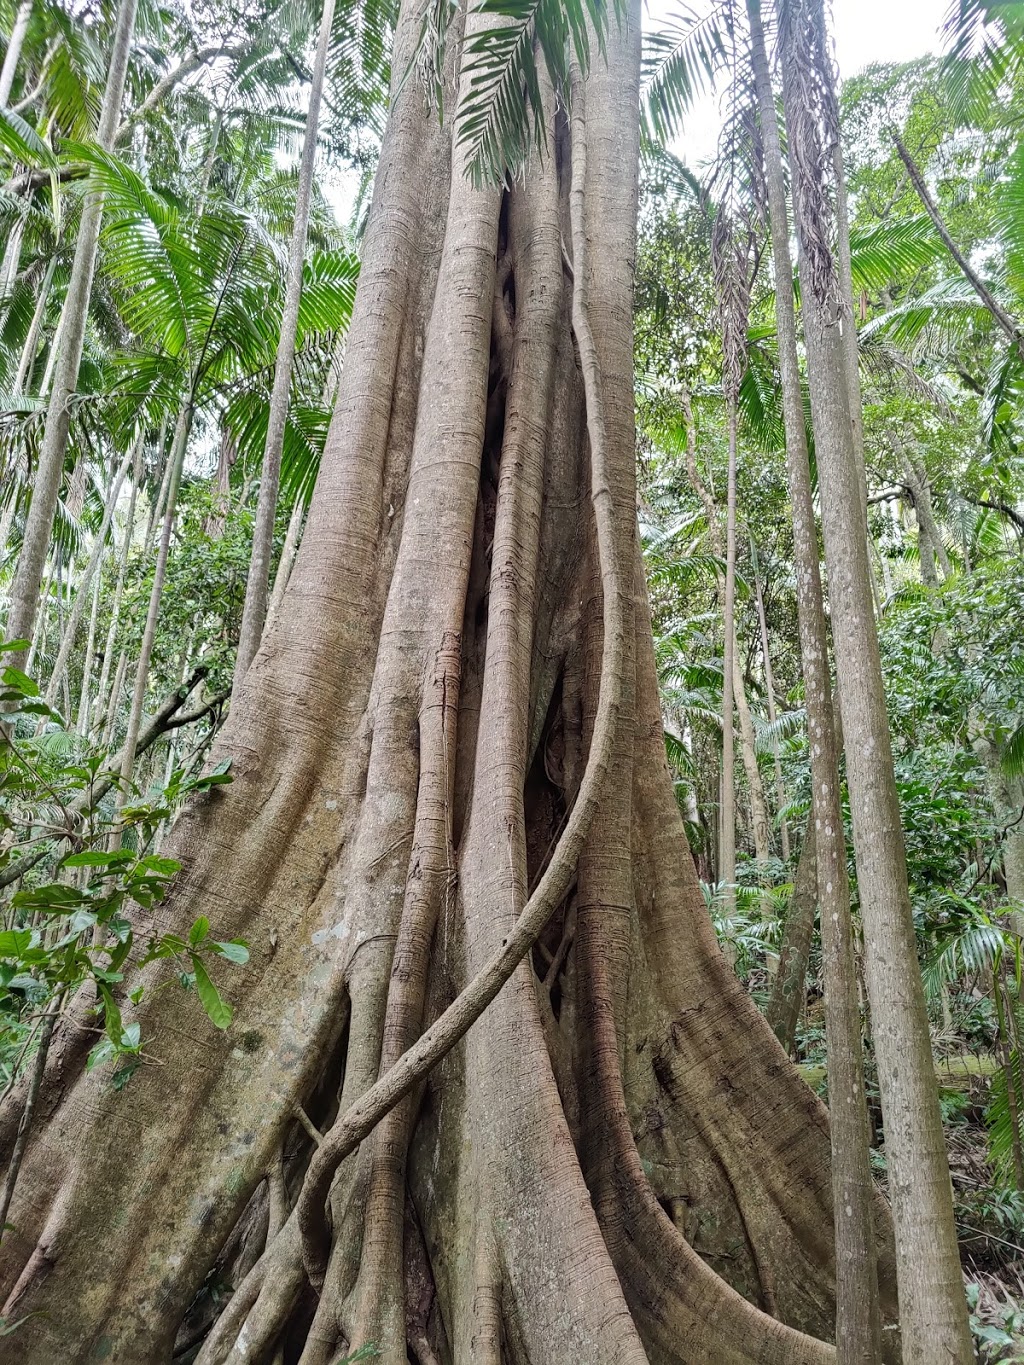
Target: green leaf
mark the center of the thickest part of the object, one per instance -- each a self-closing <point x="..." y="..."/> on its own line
<point x="1012" y="758"/>
<point x="213" y="1003"/>
<point x="95" y="857"/>
<point x="198" y="932"/>
<point x="235" y="951"/>
<point x="21" y="682"/>
<point x="13" y="942"/>
<point x="111" y="1015"/>
<point x="7" y="646"/>
<point x="163" y="867"/>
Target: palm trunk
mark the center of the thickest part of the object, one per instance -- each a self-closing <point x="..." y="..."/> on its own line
<point x="13" y="54"/>
<point x="857" y="1323"/>
<point x="932" y="1304"/>
<point x="255" y="610"/>
<point x="81" y="595"/>
<point x="114" y="700"/>
<point x="928" y="528"/>
<point x="11" y="259"/>
<point x="85" y="696"/>
<point x="1007" y="325"/>
<point x="115" y="608"/>
<point x="288" y="552"/>
<point x="759" y="824"/>
<point x="789" y="989"/>
<point x="28" y="354"/>
<point x="176" y="460"/>
<point x="769" y="683"/>
<point x="727" y="855"/>
<point x="46" y="486"/>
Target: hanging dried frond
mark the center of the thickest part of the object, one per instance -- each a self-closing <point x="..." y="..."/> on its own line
<point x="731" y="262"/>
<point x="804" y="38"/>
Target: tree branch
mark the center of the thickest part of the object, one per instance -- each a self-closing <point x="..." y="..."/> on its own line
<point x="162" y="89"/>
<point x="995" y="308"/>
<point x="1002" y="507"/>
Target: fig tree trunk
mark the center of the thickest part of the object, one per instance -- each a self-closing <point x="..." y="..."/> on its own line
<point x="618" y="1162"/>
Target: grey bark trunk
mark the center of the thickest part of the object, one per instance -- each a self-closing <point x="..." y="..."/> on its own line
<point x="858" y="1333"/>
<point x="727" y="855"/>
<point x="115" y="608"/>
<point x="255" y="610"/>
<point x="769" y="683"/>
<point x="81" y="595"/>
<point x="932" y="1304"/>
<point x="46" y="487"/>
<point x="13" y="54"/>
<point x="28" y="353"/>
<point x="176" y="459"/>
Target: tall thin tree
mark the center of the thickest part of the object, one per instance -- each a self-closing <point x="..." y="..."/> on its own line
<point x="932" y="1306"/>
<point x="46" y="485"/>
<point x="857" y="1324"/>
<point x="254" y="613"/>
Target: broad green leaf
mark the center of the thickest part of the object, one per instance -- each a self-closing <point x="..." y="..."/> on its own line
<point x="21" y="682"/>
<point x="234" y="951"/>
<point x="14" y="942"/>
<point x="213" y="1003"/>
<point x="96" y="857"/>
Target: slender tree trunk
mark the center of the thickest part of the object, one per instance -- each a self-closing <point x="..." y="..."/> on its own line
<point x="727" y="855"/>
<point x="115" y="607"/>
<point x="1007" y="325"/>
<point x="28" y="354"/>
<point x="928" y="529"/>
<point x="156" y="507"/>
<point x="81" y="594"/>
<point x="175" y="461"/>
<point x="733" y="676"/>
<point x="769" y="683"/>
<point x="255" y="610"/>
<point x="13" y="54"/>
<point x="114" y="700"/>
<point x="11" y="259"/>
<point x="462" y="665"/>
<point x="46" y="486"/>
<point x="748" y="751"/>
<point x="789" y="989"/>
<point x="85" y="696"/>
<point x="858" y="1333"/>
<point x="932" y="1304"/>
<point x="288" y="552"/>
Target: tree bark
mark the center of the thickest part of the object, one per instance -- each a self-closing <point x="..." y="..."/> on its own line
<point x="789" y="989"/>
<point x="46" y="485"/>
<point x="769" y="684"/>
<point x="176" y="460"/>
<point x="85" y="582"/>
<point x="254" y="612"/>
<point x="115" y="606"/>
<point x="727" y="853"/>
<point x="932" y="1306"/>
<point x="28" y="352"/>
<point x="13" y="54"/>
<point x="858" y="1334"/>
<point x="409" y="750"/>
